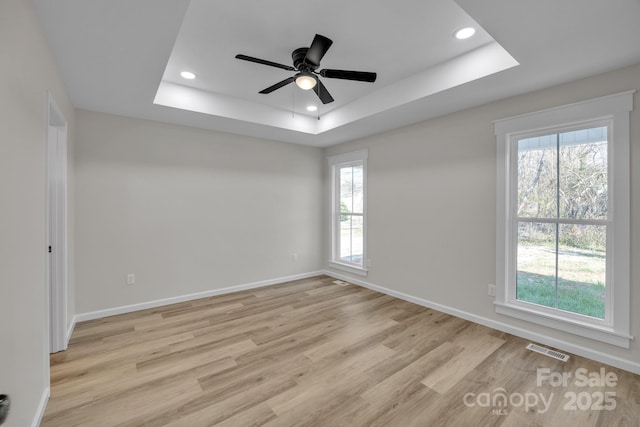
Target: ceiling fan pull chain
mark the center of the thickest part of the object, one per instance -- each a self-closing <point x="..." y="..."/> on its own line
<point x="293" y="104"/>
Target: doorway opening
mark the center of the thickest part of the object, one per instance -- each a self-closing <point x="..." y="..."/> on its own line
<point x="56" y="225"/>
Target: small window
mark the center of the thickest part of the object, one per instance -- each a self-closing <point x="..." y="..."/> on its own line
<point x="348" y="211"/>
<point x="563" y="253"/>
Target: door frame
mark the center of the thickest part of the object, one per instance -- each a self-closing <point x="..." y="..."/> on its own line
<point x="56" y="226"/>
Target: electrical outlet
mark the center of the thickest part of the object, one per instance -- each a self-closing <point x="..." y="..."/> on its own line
<point x="491" y="290"/>
<point x="294" y="257"/>
<point x="131" y="279"/>
<point x="368" y="262"/>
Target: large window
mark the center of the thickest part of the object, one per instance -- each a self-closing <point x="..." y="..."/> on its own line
<point x="348" y="212"/>
<point x="563" y="218"/>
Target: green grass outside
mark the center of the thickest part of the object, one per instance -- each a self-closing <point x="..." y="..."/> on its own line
<point x="581" y="279"/>
<point x="576" y="297"/>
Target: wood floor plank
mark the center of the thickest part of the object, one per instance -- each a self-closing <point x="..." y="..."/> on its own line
<point x="415" y="371"/>
<point x="338" y="373"/>
<point x="253" y="417"/>
<point x="206" y="412"/>
<point x="473" y="350"/>
<point x="311" y="353"/>
<point x="129" y="404"/>
<point x="186" y="359"/>
<point x="65" y="370"/>
<point x="347" y="336"/>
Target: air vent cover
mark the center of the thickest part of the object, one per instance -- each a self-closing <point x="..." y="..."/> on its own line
<point x="548" y="352"/>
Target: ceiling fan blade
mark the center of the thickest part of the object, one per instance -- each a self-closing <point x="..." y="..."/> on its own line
<point x="322" y="92"/>
<point x="278" y="85"/>
<point x="265" y="62"/>
<point x="317" y="50"/>
<point x="361" y="76"/>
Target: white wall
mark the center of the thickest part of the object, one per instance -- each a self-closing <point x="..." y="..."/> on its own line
<point x="188" y="210"/>
<point x="432" y="206"/>
<point x="26" y="74"/>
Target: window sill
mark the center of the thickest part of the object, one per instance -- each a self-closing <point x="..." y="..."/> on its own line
<point x="594" y="332"/>
<point x="348" y="268"/>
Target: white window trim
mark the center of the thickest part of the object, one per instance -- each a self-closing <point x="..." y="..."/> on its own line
<point x="615" y="108"/>
<point x="359" y="156"/>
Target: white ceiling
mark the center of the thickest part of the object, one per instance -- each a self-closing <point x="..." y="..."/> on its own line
<point x="124" y="57"/>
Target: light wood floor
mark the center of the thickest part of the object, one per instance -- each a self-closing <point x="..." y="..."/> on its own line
<point x="312" y="353"/>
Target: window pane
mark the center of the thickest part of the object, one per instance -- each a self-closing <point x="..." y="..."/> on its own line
<point x="583" y="174"/>
<point x="537" y="177"/>
<point x="351" y="239"/>
<point x="351" y="189"/>
<point x="358" y="194"/>
<point x="346" y="189"/>
<point x="582" y="269"/>
<point x="536" y="263"/>
<point x="345" y="236"/>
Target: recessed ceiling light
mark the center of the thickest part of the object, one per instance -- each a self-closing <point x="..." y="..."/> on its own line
<point x="188" y="75"/>
<point x="464" y="33"/>
<point x="312" y="108"/>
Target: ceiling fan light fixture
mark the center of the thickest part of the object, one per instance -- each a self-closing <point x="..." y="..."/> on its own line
<point x="464" y="33"/>
<point x="306" y="81"/>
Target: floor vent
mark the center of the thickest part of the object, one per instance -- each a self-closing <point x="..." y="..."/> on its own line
<point x="548" y="352"/>
<point x="341" y="282"/>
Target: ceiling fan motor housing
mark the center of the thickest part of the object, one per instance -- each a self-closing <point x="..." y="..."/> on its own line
<point x="299" y="63"/>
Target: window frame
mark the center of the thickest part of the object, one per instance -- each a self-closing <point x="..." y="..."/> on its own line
<point x="612" y="110"/>
<point x="353" y="158"/>
<point x="516" y="219"/>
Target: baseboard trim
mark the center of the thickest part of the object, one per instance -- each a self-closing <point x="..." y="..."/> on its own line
<point x="70" y="329"/>
<point x="617" y="362"/>
<point x="42" y="406"/>
<point x="189" y="297"/>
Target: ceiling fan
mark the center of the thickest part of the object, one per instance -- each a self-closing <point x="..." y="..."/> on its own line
<point x="306" y="61"/>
